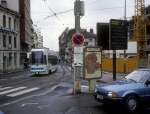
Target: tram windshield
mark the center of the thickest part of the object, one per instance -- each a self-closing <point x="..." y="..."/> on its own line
<point x="37" y="57"/>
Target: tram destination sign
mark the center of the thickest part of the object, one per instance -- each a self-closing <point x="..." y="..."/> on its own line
<point x="118" y="34"/>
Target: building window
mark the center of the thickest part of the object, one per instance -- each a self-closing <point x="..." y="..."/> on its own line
<point x="10" y="42"/>
<point x="15" y="42"/>
<point x="4" y="41"/>
<point x="10" y="59"/>
<point x="90" y="39"/>
<point x="4" y="21"/>
<point x="86" y="44"/>
<point x="14" y="24"/>
<point x="4" y="62"/>
<point x="9" y="22"/>
<point x="9" y="39"/>
<point x="15" y="58"/>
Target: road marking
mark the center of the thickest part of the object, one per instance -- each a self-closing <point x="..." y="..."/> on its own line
<point x="12" y="90"/>
<point x="5" y="88"/>
<point x="22" y="92"/>
<point x="27" y="97"/>
<point x="23" y="105"/>
<point x="69" y="68"/>
<point x="3" y="79"/>
<point x="60" y="69"/>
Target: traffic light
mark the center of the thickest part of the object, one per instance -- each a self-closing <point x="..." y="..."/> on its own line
<point x="103" y="35"/>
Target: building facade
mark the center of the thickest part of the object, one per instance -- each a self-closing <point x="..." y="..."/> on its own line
<point x="37" y="39"/>
<point x="26" y="34"/>
<point x="147" y="13"/>
<point x="13" y="5"/>
<point x="9" y="39"/>
<point x="65" y="43"/>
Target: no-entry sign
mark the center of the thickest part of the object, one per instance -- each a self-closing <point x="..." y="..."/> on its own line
<point x="78" y="39"/>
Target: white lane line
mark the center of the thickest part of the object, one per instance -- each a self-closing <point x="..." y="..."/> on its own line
<point x="22" y="92"/>
<point x="69" y="68"/>
<point x="60" y="69"/>
<point x="3" y="79"/>
<point x="1" y="89"/>
<point x="12" y="90"/>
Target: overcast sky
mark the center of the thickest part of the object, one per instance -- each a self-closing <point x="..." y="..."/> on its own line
<point x="95" y="11"/>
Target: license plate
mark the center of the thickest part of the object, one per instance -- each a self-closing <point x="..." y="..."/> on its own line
<point x="100" y="97"/>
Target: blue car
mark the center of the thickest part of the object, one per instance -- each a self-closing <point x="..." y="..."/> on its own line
<point x="133" y="91"/>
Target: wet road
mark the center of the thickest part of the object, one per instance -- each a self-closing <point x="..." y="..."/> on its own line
<point x="23" y="93"/>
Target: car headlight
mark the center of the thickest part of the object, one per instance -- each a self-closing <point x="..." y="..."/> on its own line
<point x="112" y="94"/>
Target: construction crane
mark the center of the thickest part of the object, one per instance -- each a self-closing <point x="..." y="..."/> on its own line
<point x="140" y="30"/>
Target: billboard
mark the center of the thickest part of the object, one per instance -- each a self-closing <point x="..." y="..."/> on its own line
<point x="118" y="34"/>
<point x="103" y="35"/>
<point x="92" y="63"/>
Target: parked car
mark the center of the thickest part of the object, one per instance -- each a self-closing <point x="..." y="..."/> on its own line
<point x="132" y="92"/>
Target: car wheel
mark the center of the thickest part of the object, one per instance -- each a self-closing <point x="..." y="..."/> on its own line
<point x="132" y="103"/>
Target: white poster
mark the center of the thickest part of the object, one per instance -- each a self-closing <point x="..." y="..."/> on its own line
<point x="92" y="63"/>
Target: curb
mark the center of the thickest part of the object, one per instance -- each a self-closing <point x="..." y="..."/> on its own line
<point x="18" y="71"/>
<point x="101" y="81"/>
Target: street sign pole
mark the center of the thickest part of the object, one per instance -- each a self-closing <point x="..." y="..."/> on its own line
<point x="78" y="11"/>
<point x="125" y="64"/>
<point x="114" y="64"/>
<point x="118" y="39"/>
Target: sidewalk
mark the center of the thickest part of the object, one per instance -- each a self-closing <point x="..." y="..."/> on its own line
<point x="14" y="73"/>
<point x="108" y="77"/>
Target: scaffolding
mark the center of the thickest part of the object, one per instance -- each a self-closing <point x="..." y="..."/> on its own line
<point x="140" y="28"/>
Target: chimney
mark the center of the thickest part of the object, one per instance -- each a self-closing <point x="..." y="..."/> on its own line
<point x="91" y="31"/>
<point x="4" y="3"/>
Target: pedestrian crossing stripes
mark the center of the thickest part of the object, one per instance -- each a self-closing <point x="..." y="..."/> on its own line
<point x="14" y="92"/>
<point x="5" y="88"/>
<point x="22" y="92"/>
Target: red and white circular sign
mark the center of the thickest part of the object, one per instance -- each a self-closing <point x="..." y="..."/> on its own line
<point x="78" y="39"/>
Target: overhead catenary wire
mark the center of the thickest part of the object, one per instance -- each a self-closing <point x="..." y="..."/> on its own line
<point x="58" y="13"/>
<point x="54" y="13"/>
<point x="70" y="10"/>
<point x="117" y="7"/>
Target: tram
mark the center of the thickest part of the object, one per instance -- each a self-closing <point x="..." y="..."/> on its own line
<point x="42" y="61"/>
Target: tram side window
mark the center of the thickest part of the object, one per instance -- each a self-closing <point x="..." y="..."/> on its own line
<point x="45" y="59"/>
<point x="52" y="60"/>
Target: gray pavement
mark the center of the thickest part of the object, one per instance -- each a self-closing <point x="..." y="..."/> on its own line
<point x="55" y="96"/>
<point x="108" y="77"/>
<point x="62" y="101"/>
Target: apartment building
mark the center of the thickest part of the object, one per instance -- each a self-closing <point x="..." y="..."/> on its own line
<point x="9" y="39"/>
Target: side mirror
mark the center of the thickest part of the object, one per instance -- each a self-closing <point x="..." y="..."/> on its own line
<point x="147" y="82"/>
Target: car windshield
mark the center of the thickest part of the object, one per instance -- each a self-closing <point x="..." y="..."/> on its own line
<point x="139" y="76"/>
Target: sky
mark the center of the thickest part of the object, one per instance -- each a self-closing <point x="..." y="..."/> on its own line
<point x="95" y="11"/>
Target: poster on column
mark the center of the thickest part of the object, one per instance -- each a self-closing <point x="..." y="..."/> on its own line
<point x="92" y="63"/>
